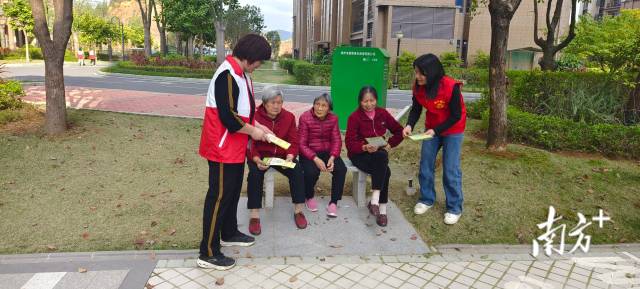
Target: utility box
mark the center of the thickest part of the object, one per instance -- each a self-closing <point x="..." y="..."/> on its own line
<point x="353" y="68"/>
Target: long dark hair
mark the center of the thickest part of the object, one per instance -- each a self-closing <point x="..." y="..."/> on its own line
<point x="367" y="89"/>
<point x="430" y="66"/>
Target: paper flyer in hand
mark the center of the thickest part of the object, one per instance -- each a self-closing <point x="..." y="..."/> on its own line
<point x="420" y="136"/>
<point x="278" y="141"/>
<point x="376" y="141"/>
<point x="278" y="162"/>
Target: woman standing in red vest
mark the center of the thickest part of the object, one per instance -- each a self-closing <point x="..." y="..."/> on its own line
<point x="445" y="120"/>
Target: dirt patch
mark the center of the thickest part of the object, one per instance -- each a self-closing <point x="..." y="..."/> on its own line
<point x="31" y="121"/>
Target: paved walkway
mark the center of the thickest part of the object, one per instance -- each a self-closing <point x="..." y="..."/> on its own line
<point x="143" y="102"/>
<point x="452" y="266"/>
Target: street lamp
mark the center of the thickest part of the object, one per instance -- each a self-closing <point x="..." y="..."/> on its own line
<point x="399" y="35"/>
<point x="121" y="33"/>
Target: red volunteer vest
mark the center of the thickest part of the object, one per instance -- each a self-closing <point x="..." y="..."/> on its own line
<point x="438" y="107"/>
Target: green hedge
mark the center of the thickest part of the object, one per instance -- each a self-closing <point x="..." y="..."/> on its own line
<point x="590" y="97"/>
<point x="174" y="71"/>
<point x="306" y="73"/>
<point x="35" y="53"/>
<point x="10" y="95"/>
<point x="554" y="133"/>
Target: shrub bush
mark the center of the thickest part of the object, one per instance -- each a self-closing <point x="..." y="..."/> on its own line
<point x="303" y="72"/>
<point x="10" y="95"/>
<point x="450" y="59"/>
<point x="554" y="133"/>
<point x="590" y="97"/>
<point x="476" y="108"/>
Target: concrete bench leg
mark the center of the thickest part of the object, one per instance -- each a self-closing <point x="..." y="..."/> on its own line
<point x="269" y="184"/>
<point x="359" y="186"/>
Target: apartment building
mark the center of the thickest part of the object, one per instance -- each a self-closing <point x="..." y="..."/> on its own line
<point x="9" y="36"/>
<point x="600" y="8"/>
<point x="423" y="26"/>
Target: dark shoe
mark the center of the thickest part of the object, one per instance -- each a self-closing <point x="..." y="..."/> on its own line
<point x="221" y="262"/>
<point x="301" y="221"/>
<point x="374" y="209"/>
<point x="381" y="220"/>
<point x="239" y="239"/>
<point x="254" y="226"/>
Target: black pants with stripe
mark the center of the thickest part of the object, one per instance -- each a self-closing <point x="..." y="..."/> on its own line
<point x="221" y="206"/>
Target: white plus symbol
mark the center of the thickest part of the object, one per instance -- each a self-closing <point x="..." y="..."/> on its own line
<point x="601" y="218"/>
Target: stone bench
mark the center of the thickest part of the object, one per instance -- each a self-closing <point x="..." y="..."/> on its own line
<point x="358" y="182"/>
<point x="359" y="185"/>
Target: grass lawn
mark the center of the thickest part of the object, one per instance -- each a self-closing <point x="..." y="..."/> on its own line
<point x="118" y="181"/>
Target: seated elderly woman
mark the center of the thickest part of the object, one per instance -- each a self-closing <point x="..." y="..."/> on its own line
<point x="283" y="125"/>
<point x="320" y="145"/>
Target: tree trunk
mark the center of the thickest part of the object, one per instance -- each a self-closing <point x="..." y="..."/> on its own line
<point x="497" y="135"/>
<point x="53" y="49"/>
<point x="56" y="114"/>
<point x="26" y="42"/>
<point x="163" y="41"/>
<point x="189" y="47"/>
<point x="548" y="62"/>
<point x="76" y="42"/>
<point x="633" y="104"/>
<point x="179" y="42"/>
<point x="147" y="39"/>
<point x="220" y="50"/>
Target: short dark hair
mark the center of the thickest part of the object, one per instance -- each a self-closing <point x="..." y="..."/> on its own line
<point x="365" y="90"/>
<point x="252" y="47"/>
<point x="431" y="67"/>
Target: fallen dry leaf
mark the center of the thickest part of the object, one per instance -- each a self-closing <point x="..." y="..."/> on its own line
<point x="149" y="286"/>
<point x="393" y="239"/>
<point x="52" y="247"/>
<point x="154" y="223"/>
<point x="220" y="281"/>
<point x="143" y="233"/>
<point x="414" y="237"/>
<point x="85" y="226"/>
<point x="172" y="232"/>
<point x="335" y="246"/>
<point x="139" y="242"/>
<point x="293" y="279"/>
<point x="82" y="270"/>
<point x="85" y="235"/>
<point x="93" y="209"/>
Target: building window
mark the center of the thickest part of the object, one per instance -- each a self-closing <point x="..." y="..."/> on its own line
<point x="357" y="16"/>
<point x="356" y="42"/>
<point x="423" y="22"/>
<point x="459" y="4"/>
<point x="369" y="30"/>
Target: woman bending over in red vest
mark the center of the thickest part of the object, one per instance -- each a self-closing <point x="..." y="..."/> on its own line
<point x="445" y="120"/>
<point x="369" y="155"/>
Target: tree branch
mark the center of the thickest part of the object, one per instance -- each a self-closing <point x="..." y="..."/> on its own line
<point x="536" y="38"/>
<point x="548" y="16"/>
<point x="62" y="24"/>
<point x="41" y="29"/>
<point x="572" y="27"/>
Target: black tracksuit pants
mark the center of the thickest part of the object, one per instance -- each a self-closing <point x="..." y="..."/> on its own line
<point x="221" y="206"/>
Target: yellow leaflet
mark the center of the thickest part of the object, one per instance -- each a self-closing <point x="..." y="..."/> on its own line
<point x="278" y="141"/>
<point x="278" y="162"/>
<point x="420" y="136"/>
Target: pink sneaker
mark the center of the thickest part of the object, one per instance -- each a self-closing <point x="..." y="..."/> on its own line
<point x="312" y="205"/>
<point x="332" y="210"/>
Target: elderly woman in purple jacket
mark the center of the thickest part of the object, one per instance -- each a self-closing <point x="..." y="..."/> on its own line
<point x="320" y="145"/>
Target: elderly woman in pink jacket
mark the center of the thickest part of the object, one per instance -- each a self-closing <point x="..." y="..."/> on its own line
<point x="320" y="145"/>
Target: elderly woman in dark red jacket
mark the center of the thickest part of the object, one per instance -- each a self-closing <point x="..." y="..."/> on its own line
<point x="320" y="145"/>
<point x="366" y="122"/>
<point x="283" y="124"/>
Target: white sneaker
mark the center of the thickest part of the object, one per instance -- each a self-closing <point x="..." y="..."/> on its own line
<point x="451" y="219"/>
<point x="421" y="208"/>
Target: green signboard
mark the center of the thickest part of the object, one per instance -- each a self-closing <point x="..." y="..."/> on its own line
<point x="353" y="68"/>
